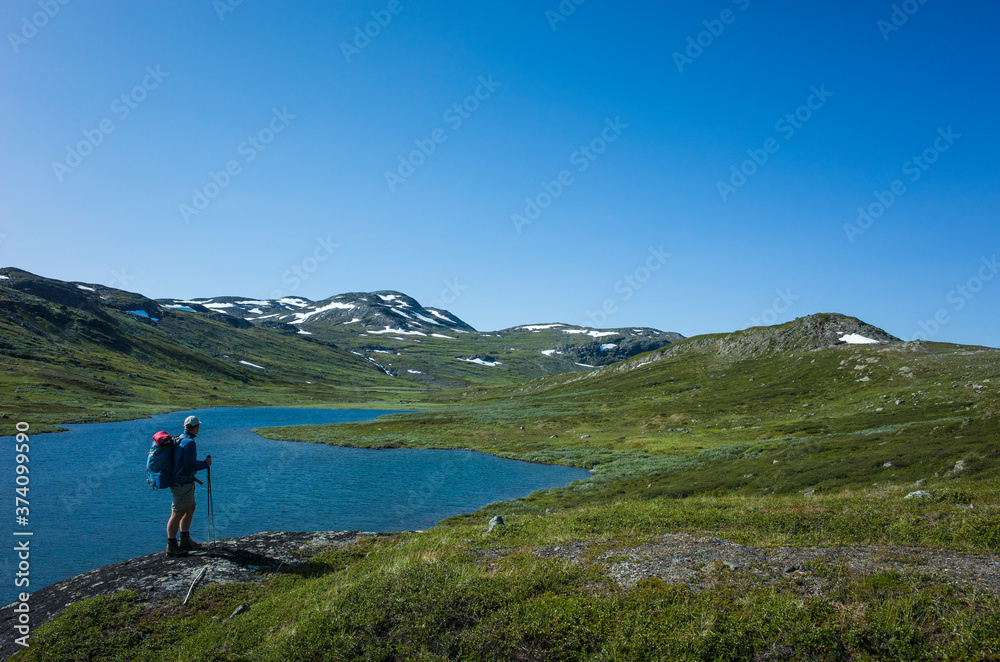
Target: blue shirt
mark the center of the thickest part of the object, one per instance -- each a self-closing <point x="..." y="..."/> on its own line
<point x="186" y="462"/>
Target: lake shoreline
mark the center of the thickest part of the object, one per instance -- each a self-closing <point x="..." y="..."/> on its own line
<point x="306" y="487"/>
<point x="49" y="427"/>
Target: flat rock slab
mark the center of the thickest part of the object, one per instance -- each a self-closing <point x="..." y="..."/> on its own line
<point x="686" y="559"/>
<point x="159" y="578"/>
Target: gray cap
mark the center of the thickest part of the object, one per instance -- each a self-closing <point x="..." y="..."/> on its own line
<point x="191" y="421"/>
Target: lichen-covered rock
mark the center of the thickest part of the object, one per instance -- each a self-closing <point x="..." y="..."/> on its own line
<point x="159" y="578"/>
<point x="495" y="521"/>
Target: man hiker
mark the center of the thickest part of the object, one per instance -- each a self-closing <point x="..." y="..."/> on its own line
<point x="186" y="464"/>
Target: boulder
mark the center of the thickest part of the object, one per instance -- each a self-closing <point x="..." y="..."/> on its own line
<point x="495" y="521"/>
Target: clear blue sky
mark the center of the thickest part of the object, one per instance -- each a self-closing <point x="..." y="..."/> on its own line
<point x="114" y="215"/>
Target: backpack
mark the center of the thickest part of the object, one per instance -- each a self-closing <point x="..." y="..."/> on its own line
<point x="160" y="461"/>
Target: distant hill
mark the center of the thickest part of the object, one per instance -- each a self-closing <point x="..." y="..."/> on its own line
<point x="387" y="310"/>
<point x="78" y="346"/>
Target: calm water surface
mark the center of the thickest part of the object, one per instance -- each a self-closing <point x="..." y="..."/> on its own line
<point x="90" y="503"/>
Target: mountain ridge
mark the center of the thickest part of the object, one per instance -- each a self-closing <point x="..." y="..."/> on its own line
<point x="74" y="350"/>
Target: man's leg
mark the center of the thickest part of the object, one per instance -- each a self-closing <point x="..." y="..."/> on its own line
<point x="185" y="519"/>
<point x="186" y="542"/>
<point x="174" y="523"/>
<point x="180" y="519"/>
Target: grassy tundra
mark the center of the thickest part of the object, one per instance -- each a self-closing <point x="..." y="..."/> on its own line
<point x="745" y="442"/>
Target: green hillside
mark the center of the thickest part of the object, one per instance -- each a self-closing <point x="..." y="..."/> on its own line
<point x="66" y="357"/>
<point x="809" y="419"/>
<point x="770" y="441"/>
<point x="75" y="352"/>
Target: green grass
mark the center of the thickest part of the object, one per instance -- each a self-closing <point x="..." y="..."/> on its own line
<point x="809" y="448"/>
<point x="430" y="596"/>
<point x="693" y="423"/>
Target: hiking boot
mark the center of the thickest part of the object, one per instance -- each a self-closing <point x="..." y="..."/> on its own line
<point x="186" y="542"/>
<point x="173" y="549"/>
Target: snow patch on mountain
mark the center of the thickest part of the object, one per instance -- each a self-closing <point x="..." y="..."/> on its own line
<point x="426" y="319"/>
<point x="374" y="362"/>
<point x="594" y="333"/>
<point x="438" y="313"/>
<point x="858" y="339"/>
<point x="301" y="318"/>
<point x="537" y="327"/>
<point x="403" y="332"/>
<point x="479" y="361"/>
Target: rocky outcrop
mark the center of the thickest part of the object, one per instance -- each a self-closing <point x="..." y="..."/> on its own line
<point x="616" y="348"/>
<point x="696" y="560"/>
<point x="805" y="333"/>
<point x="159" y="578"/>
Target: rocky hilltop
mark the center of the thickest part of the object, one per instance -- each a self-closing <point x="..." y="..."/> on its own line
<point x="804" y="333"/>
<point x="388" y="310"/>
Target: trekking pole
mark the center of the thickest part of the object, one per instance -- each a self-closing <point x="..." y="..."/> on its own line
<point x="211" y="512"/>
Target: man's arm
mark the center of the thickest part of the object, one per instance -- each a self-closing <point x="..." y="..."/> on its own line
<point x="191" y="464"/>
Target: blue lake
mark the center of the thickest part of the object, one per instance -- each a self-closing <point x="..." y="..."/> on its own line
<point x="90" y="504"/>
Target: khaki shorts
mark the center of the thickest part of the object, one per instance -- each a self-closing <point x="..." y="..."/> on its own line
<point x="183" y="497"/>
